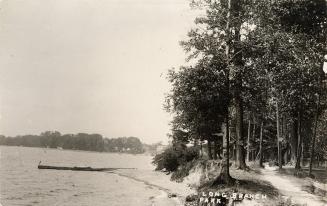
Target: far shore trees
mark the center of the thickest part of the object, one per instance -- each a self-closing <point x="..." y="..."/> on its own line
<point x="80" y="141"/>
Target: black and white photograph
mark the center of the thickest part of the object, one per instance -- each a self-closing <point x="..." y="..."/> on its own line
<point x="163" y="102"/>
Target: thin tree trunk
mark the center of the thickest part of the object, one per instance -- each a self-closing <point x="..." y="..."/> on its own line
<point x="253" y="139"/>
<point x="282" y="136"/>
<point x="299" y="142"/>
<point x="225" y="167"/>
<point x="215" y="148"/>
<point x="294" y="139"/>
<point x="302" y="154"/>
<point x="285" y="156"/>
<point x="209" y="149"/>
<point x="219" y="149"/>
<point x="312" y="153"/>
<point x="239" y="135"/>
<point x="248" y="142"/>
<point x="234" y="152"/>
<point x="260" y="146"/>
<point x="201" y="149"/>
<point x="279" y="154"/>
<point x="288" y="140"/>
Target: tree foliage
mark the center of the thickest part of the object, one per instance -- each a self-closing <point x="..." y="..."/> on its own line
<point x="262" y="59"/>
<point x="80" y="141"/>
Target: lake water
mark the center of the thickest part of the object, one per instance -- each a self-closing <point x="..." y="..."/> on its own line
<point x="21" y="183"/>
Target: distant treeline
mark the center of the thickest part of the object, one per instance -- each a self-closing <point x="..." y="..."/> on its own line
<point x="80" y="141"/>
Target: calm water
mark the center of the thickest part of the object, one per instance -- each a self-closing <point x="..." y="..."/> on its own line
<point x="21" y="183"/>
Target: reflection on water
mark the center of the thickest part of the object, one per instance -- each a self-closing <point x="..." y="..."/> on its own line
<point x="21" y="183"/>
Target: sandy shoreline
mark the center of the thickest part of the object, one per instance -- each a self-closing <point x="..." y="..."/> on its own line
<point x="161" y="182"/>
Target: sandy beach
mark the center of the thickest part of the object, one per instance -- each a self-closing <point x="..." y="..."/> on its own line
<point x="162" y="182"/>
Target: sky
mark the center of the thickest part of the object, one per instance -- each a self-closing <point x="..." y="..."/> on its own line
<point x="94" y="66"/>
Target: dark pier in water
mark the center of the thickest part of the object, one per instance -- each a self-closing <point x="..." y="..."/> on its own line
<point x="79" y="168"/>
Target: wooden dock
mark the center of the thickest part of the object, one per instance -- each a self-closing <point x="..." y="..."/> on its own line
<point x="80" y="168"/>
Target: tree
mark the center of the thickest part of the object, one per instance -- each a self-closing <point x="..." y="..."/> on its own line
<point x="268" y="64"/>
<point x="286" y="53"/>
<point x="197" y="99"/>
<point x="220" y="41"/>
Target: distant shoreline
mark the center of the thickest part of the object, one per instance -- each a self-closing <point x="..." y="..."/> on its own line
<point x="73" y="150"/>
<point x="79" y="141"/>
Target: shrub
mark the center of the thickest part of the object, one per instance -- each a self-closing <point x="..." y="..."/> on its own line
<point x="174" y="156"/>
<point x="167" y="160"/>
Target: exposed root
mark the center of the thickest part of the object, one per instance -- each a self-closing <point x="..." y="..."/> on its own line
<point x="223" y="179"/>
<point x="245" y="168"/>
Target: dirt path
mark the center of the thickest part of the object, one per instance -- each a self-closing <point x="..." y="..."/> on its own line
<point x="289" y="187"/>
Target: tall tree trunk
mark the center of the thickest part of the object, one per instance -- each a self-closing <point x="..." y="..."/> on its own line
<point x="219" y="153"/>
<point x="234" y="152"/>
<point x="224" y="176"/>
<point x="260" y="146"/>
<point x="253" y="138"/>
<point x="215" y="148"/>
<point x="288" y="140"/>
<point x="209" y="149"/>
<point x="248" y="141"/>
<point x="284" y="137"/>
<point x="201" y="148"/>
<point x="237" y="90"/>
<point x="239" y="134"/>
<point x="279" y="155"/>
<point x="294" y="139"/>
<point x="286" y="157"/>
<point x="299" y="142"/>
<point x="302" y="154"/>
<point x="313" y="142"/>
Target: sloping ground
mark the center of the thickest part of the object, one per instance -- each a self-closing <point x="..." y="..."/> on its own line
<point x="248" y="182"/>
<point x="282" y="188"/>
<point x="266" y="181"/>
<point x="292" y="187"/>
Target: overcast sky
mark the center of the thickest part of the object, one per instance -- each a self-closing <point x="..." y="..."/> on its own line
<point x="95" y="66"/>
